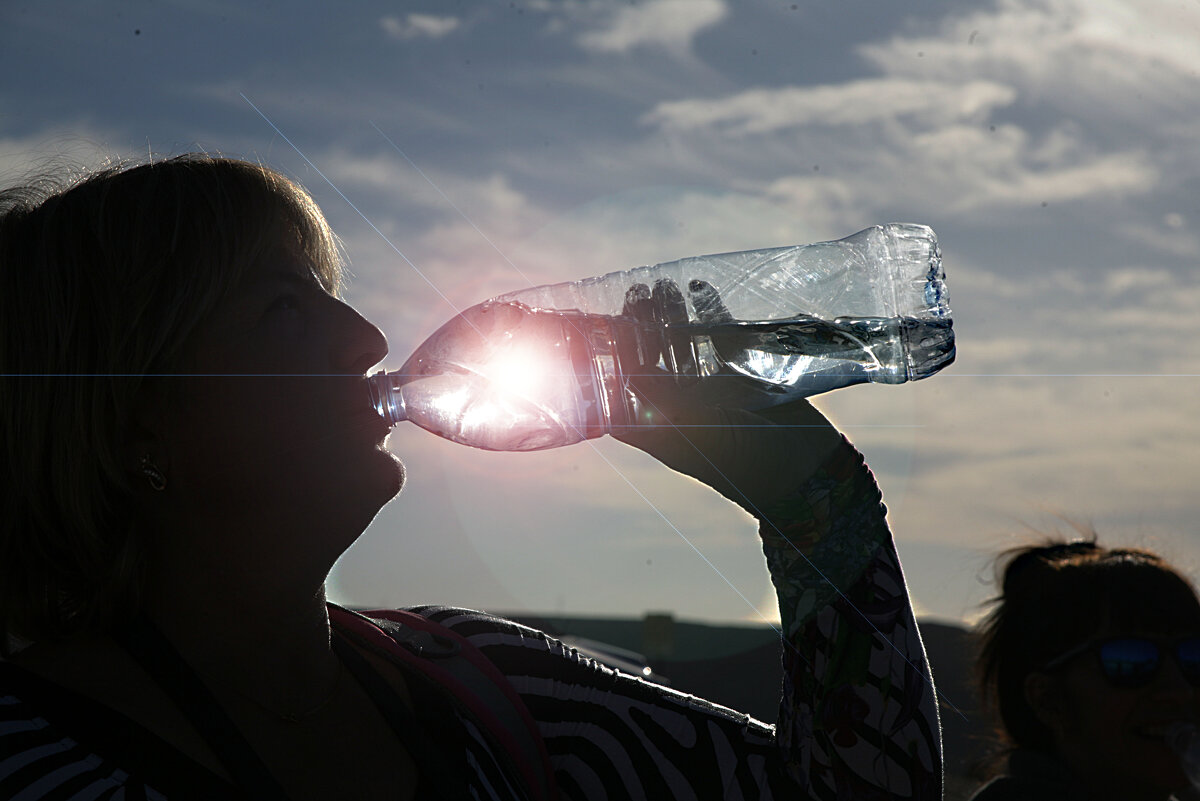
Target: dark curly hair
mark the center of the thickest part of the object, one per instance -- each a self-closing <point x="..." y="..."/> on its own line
<point x="1059" y="593"/>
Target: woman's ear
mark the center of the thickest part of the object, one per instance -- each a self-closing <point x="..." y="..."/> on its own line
<point x="144" y="450"/>
<point x="1045" y="699"/>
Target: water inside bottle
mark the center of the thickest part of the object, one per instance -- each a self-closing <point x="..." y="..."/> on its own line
<point x="779" y="360"/>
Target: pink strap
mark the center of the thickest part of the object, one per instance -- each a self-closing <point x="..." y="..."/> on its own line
<point x="541" y="782"/>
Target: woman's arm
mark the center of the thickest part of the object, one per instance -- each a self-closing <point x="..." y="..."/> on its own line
<point x="858" y="716"/>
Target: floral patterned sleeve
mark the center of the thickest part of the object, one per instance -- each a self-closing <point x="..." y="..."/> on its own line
<point x="858" y="718"/>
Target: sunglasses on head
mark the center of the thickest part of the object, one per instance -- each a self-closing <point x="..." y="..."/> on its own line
<point x="1134" y="661"/>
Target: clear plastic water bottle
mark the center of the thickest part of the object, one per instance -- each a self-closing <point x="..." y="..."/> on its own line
<point x="1184" y="740"/>
<point x="557" y="364"/>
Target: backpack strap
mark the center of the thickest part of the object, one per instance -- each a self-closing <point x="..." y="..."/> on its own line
<point x="454" y="663"/>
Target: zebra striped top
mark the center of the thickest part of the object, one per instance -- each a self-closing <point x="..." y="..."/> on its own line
<point x="858" y="714"/>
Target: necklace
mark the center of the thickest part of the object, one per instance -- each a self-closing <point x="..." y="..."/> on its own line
<point x="294" y="718"/>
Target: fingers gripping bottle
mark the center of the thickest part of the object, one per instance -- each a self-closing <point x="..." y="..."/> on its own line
<point x="556" y="364"/>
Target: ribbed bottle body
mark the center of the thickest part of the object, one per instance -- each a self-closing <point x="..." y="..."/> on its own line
<point x="556" y="364"/>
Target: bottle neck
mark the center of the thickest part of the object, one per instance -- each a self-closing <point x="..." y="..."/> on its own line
<point x="383" y="390"/>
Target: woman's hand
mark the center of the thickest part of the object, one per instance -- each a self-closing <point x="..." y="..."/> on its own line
<point x="752" y="458"/>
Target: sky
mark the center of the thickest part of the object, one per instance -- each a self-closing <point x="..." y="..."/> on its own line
<point x="465" y="149"/>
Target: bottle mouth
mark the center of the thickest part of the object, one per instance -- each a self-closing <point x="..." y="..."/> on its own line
<point x="383" y="391"/>
<point x="928" y="347"/>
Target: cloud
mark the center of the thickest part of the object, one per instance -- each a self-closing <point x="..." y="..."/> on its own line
<point x="397" y="186"/>
<point x="760" y="111"/>
<point x="1032" y="37"/>
<point x="666" y="24"/>
<point x="928" y="142"/>
<point x="1087" y="56"/>
<point x="1026" y="103"/>
<point x="1167" y="237"/>
<point x="645" y="226"/>
<point x="962" y="171"/>
<point x="1090" y="461"/>
<point x="1118" y="174"/>
<point x="974" y="169"/>
<point x="1076" y="320"/>
<point x="822" y="202"/>
<point x="418" y="26"/>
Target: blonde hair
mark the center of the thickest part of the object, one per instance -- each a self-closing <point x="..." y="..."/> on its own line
<point x="103" y="278"/>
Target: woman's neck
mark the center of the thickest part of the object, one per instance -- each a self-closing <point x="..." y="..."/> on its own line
<point x="1105" y="785"/>
<point x="257" y="632"/>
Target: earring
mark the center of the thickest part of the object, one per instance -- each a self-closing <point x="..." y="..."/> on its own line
<point x="155" y="477"/>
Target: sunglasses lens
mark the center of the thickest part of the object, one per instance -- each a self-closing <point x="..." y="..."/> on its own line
<point x="1188" y="655"/>
<point x="1129" y="662"/>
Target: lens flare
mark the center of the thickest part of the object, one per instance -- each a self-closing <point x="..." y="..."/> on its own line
<point x="522" y="370"/>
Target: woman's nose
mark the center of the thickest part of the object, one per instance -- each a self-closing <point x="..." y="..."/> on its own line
<point x="360" y="344"/>
<point x="1171" y="682"/>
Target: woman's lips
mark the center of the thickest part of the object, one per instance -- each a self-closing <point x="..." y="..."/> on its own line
<point x="370" y="419"/>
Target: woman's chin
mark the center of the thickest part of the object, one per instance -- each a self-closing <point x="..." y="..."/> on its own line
<point x="387" y="475"/>
<point x="397" y="474"/>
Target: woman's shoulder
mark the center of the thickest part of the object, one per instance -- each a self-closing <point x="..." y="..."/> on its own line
<point x="36" y="713"/>
<point x="40" y="747"/>
<point x="512" y="647"/>
<point x="70" y="745"/>
<point x="1032" y="776"/>
<point x="85" y="666"/>
<point x="1007" y="788"/>
<point x="1002" y="788"/>
<point x="482" y="629"/>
